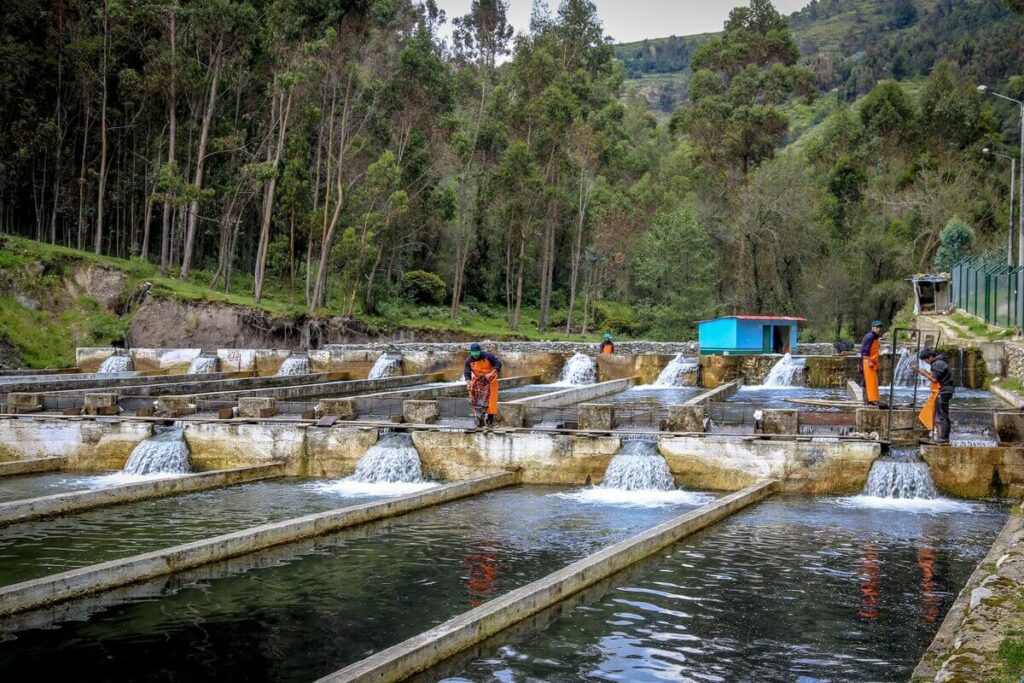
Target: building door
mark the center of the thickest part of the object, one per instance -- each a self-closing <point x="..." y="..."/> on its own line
<point x="766" y="339"/>
<point x="780" y="339"/>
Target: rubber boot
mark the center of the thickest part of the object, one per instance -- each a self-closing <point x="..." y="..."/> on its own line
<point x="490" y="421"/>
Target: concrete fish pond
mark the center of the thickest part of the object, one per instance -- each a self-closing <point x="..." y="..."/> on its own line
<point x="648" y="515"/>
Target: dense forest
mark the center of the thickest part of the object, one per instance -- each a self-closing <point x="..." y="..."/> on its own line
<point x="349" y="157"/>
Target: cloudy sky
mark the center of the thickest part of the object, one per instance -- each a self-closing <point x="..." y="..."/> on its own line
<point x="629" y="20"/>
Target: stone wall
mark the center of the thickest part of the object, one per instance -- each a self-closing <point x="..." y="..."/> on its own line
<point x="977" y="472"/>
<point x="88" y="445"/>
<point x="1015" y="360"/>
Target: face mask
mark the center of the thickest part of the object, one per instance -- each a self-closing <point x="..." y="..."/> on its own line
<point x="475" y="354"/>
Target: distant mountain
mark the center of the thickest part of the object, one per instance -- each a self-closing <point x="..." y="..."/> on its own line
<point x="852" y="44"/>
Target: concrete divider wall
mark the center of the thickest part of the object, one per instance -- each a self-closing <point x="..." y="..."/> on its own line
<point x="87" y="444"/>
<point x="58" y="588"/>
<point x="574" y="395"/>
<point x="970" y="472"/>
<point x="89" y="383"/>
<point x="718" y="394"/>
<point x="299" y="389"/>
<point x="170" y="361"/>
<point x="438" y="644"/>
<point x="16" y="467"/>
<point x="75" y="501"/>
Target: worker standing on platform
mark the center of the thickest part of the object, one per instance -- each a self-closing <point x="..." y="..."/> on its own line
<point x="481" y="376"/>
<point x="607" y="347"/>
<point x="870" y="364"/>
<point x="941" y="375"/>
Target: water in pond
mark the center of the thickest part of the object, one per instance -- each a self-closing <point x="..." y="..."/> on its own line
<point x="32" y="549"/>
<point x="294" y="365"/>
<point x="303" y="611"/>
<point x="115" y="364"/>
<point x="391" y="466"/>
<point x="35" y="485"/>
<point x="165" y="453"/>
<point x="387" y="365"/>
<point x="580" y="369"/>
<point x="202" y="365"/>
<point x="790" y="590"/>
<point x="680" y="371"/>
<point x="787" y="372"/>
<point x="651" y="397"/>
<point x="782" y="397"/>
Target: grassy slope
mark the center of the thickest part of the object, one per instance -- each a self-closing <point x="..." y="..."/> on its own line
<point x="47" y="337"/>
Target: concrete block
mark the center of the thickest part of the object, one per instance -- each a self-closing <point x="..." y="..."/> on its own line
<point x="420" y="412"/>
<point x="905" y="425"/>
<point x="145" y="411"/>
<point x="511" y="414"/>
<point x="100" y="404"/>
<point x="267" y="412"/>
<point x="71" y="412"/>
<point x="686" y="419"/>
<point x="225" y="413"/>
<point x="24" y="402"/>
<point x="252" y="406"/>
<point x="776" y="421"/>
<point x="171" y="405"/>
<point x="345" y="408"/>
<point x="597" y="417"/>
<point x="1009" y="427"/>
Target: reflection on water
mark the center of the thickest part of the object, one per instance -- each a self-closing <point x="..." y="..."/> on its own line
<point x="793" y="589"/>
<point x="300" y="612"/>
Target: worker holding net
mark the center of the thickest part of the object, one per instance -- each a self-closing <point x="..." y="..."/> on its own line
<point x="481" y="375"/>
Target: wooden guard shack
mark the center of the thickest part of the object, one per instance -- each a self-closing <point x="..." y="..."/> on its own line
<point x="747" y="335"/>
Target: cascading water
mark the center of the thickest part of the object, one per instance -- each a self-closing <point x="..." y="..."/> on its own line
<point x="387" y="365"/>
<point x="786" y="372"/>
<point x="638" y="467"/>
<point x="165" y="453"/>
<point x="202" y="365"/>
<point x="116" y="363"/>
<point x="681" y="371"/>
<point x="390" y="467"/>
<point x="294" y="365"/>
<point x="580" y="369"/>
<point x="900" y="479"/>
<point x="905" y="374"/>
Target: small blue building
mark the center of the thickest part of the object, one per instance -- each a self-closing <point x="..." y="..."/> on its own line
<point x="748" y="335"/>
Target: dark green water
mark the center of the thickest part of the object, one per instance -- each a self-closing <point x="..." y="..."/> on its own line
<point x="792" y="590"/>
<point x="301" y="612"/>
<point x="35" y="485"/>
<point x="33" y="549"/>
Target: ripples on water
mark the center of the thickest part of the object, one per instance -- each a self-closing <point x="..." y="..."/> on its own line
<point x="304" y="610"/>
<point x="795" y="589"/>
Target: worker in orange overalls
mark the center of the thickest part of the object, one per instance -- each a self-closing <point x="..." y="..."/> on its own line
<point x="607" y="347"/>
<point x="870" y="363"/>
<point x="481" y="376"/>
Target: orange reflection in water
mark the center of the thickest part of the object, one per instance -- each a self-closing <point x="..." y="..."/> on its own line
<point x="870" y="584"/>
<point x="929" y="598"/>
<point x="482" y="574"/>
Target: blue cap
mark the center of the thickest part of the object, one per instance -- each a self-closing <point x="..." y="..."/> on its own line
<point x="475" y="346"/>
<point x="876" y="323"/>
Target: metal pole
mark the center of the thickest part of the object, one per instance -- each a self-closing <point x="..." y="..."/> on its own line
<point x="1020" y="212"/>
<point x="1009" y="243"/>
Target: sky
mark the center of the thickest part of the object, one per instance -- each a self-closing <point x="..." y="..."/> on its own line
<point x="630" y="20"/>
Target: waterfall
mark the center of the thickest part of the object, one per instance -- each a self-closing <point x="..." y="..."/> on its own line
<point x="904" y="374"/>
<point x="391" y="467"/>
<point x="116" y="363"/>
<point x="580" y="369"/>
<point x="294" y="365"/>
<point x="900" y="479"/>
<point x="202" y="365"/>
<point x="785" y="372"/>
<point x="387" y="365"/>
<point x="680" y="371"/>
<point x="638" y="467"/>
<point x="165" y="453"/>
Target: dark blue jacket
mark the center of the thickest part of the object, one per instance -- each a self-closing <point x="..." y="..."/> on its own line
<point x="865" y="346"/>
<point x="943" y="375"/>
<point x="495" y="363"/>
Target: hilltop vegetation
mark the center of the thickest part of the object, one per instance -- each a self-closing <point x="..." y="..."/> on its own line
<point x="341" y="160"/>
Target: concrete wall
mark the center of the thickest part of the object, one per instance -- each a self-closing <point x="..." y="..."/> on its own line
<point x="977" y="472"/>
<point x="167" y="361"/>
<point x="87" y="444"/>
<point x="816" y="466"/>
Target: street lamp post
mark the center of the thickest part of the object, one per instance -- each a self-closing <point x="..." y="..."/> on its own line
<point x="984" y="89"/>
<point x="1013" y="184"/>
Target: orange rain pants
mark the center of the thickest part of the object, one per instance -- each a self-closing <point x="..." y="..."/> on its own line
<point x="871" y="365"/>
<point x="481" y="368"/>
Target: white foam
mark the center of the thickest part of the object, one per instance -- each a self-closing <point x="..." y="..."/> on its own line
<point x="356" y="489"/>
<point x="119" y="478"/>
<point x="912" y="505"/>
<point x="648" y="498"/>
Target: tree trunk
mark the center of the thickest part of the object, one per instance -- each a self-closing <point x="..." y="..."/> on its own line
<point x="284" y="113"/>
<point x="101" y="190"/>
<point x="172" y="118"/>
<point x="577" y="251"/>
<point x="197" y="184"/>
<point x="81" y="173"/>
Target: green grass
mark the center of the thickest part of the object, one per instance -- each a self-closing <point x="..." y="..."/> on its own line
<point x="978" y="328"/>
<point x="47" y="339"/>
<point x="1011" y="384"/>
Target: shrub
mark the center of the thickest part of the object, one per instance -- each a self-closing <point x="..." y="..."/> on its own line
<point x="619" y="326"/>
<point x="421" y="287"/>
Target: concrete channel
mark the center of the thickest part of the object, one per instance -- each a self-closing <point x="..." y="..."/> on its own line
<point x="97" y="578"/>
<point x="76" y="501"/>
<point x="33" y="466"/>
<point x="441" y="642"/>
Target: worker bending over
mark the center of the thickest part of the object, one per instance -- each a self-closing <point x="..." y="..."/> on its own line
<point x="481" y="375"/>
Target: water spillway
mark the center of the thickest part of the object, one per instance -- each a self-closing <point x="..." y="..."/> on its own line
<point x="787" y="372"/>
<point x="579" y="370"/>
<point x="202" y="365"/>
<point x="294" y="365"/>
<point x="900" y="479"/>
<point x="387" y="365"/>
<point x="680" y="371"/>
<point x="116" y="364"/>
<point x="391" y="460"/>
<point x="165" y="453"/>
<point x="638" y="467"/>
